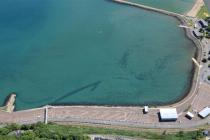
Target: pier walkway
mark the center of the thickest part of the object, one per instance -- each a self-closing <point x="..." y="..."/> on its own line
<point x="149" y="8"/>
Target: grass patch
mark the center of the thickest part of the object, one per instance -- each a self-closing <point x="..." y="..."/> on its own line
<point x="203" y="13"/>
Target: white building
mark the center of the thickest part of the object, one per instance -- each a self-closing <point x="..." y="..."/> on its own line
<point x="146" y="109"/>
<point x="168" y="114"/>
<point x="189" y="115"/>
<point x="204" y="113"/>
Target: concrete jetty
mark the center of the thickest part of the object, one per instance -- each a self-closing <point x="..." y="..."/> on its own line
<point x="9" y="106"/>
<point x="148" y="8"/>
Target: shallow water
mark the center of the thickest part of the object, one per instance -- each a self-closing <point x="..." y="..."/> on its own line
<point x="90" y="52"/>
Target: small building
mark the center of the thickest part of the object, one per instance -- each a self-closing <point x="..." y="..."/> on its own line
<point x="146" y="109"/>
<point x="204" y="113"/>
<point x="203" y="23"/>
<point x="168" y="114"/>
<point x="189" y="115"/>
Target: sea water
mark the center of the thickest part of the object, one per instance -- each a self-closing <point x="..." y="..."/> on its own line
<point x="91" y="52"/>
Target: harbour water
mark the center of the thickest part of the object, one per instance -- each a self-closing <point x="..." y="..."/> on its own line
<point x="91" y="52"/>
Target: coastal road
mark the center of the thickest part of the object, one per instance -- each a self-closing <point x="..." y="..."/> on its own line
<point x="120" y="116"/>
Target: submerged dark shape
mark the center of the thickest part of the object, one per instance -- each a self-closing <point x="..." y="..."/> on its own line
<point x="92" y="87"/>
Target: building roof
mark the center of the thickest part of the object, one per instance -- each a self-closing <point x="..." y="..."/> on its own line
<point x="146" y="108"/>
<point x="205" y="112"/>
<point x="168" y="113"/>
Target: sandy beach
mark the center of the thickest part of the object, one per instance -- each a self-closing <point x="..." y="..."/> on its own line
<point x="196" y="7"/>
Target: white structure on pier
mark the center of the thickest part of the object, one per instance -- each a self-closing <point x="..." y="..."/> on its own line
<point x="168" y="114"/>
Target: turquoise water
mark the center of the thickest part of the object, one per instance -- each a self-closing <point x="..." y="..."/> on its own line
<point x="179" y="6"/>
<point x="90" y="52"/>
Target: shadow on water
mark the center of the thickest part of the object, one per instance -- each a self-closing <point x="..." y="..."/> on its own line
<point x="91" y="86"/>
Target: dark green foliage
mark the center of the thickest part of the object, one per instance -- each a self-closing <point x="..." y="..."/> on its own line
<point x="4" y="131"/>
<point x="208" y="77"/>
<point x="26" y="127"/>
<point x="204" y="60"/>
<point x="13" y="127"/>
<point x="180" y="134"/>
<point x="29" y="135"/>
<point x="41" y="131"/>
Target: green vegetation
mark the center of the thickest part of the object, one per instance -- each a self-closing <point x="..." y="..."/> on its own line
<point x="203" y="13"/>
<point x="208" y="77"/>
<point x="41" y="131"/>
<point x="204" y="60"/>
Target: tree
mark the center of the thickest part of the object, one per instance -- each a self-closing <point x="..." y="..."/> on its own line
<point x="13" y="127"/>
<point x="204" y="60"/>
<point x="29" y="135"/>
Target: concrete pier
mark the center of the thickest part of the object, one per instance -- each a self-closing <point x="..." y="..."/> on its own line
<point x="148" y="8"/>
<point x="9" y="107"/>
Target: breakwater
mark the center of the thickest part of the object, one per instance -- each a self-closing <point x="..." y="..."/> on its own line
<point x="148" y="8"/>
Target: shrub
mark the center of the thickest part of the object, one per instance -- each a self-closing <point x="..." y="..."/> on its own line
<point x="4" y="131"/>
<point x="13" y="127"/>
<point x="204" y="60"/>
<point x="29" y="135"/>
<point x="26" y="127"/>
<point x="208" y="77"/>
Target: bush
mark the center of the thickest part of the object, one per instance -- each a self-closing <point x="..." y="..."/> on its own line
<point x="180" y="134"/>
<point x="26" y="127"/>
<point x="4" y="131"/>
<point x="204" y="60"/>
<point x="13" y="127"/>
<point x="29" y="135"/>
<point x="208" y="77"/>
